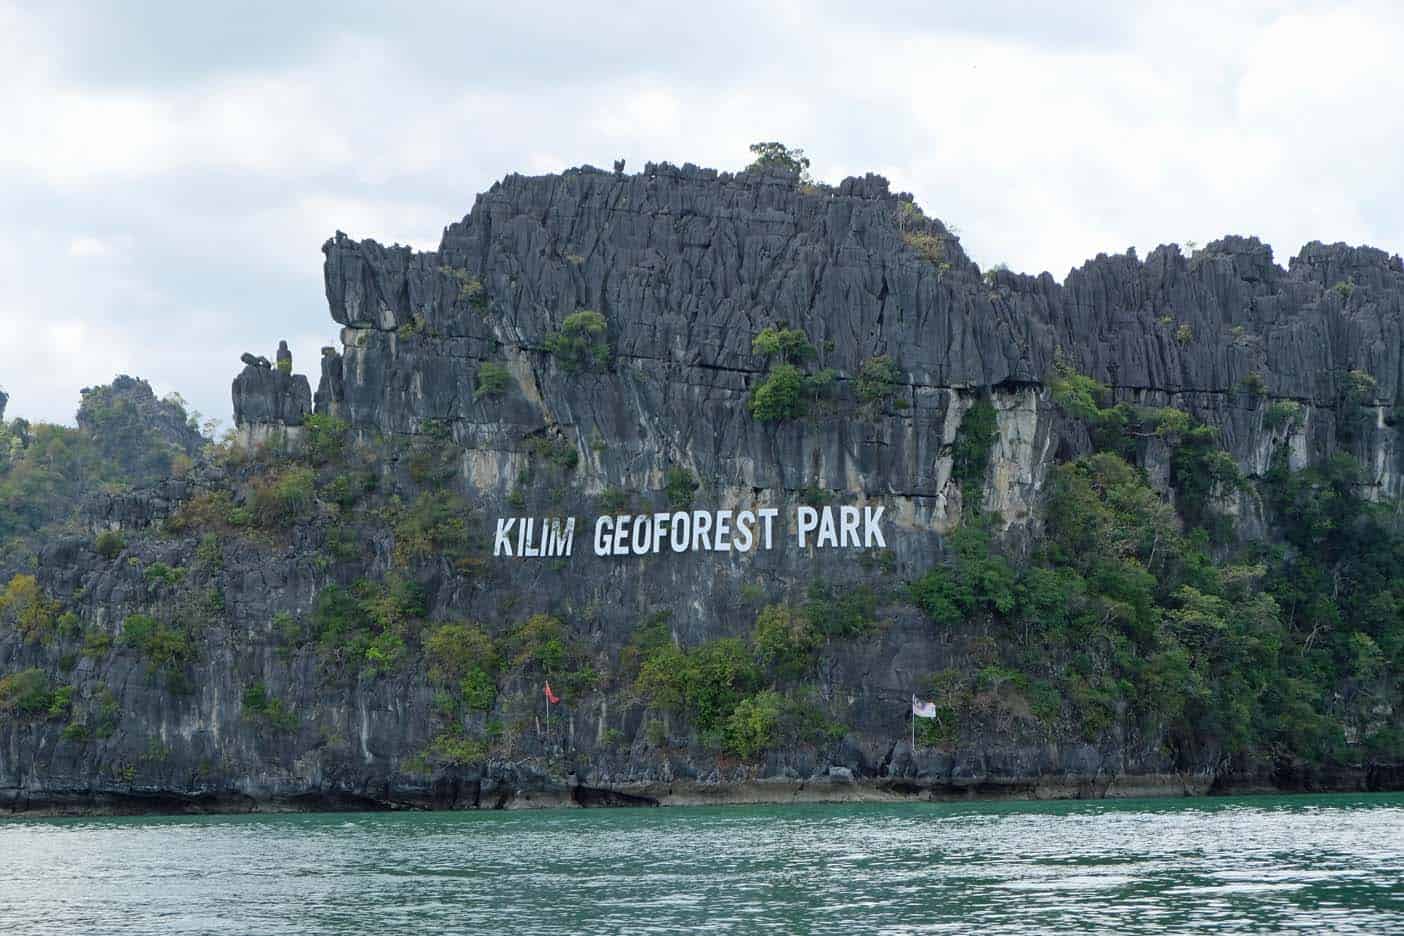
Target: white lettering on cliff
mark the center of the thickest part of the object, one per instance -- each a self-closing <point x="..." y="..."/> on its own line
<point x="721" y="531"/>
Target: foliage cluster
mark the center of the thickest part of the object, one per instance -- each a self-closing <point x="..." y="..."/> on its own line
<point x="879" y="383"/>
<point x="776" y="155"/>
<point x="581" y="345"/>
<point x="266" y="710"/>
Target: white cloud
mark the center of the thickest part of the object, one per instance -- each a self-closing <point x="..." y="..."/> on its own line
<point x="88" y="247"/>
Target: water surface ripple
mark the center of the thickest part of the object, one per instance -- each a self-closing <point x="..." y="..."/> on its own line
<point x="1291" y="864"/>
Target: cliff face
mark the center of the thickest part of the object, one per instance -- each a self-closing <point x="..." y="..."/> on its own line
<point x="453" y="390"/>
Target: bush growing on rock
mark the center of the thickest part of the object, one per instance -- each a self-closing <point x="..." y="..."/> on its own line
<point x="704" y="683"/>
<point x="679" y="484"/>
<point x="580" y="345"/>
<point x="1253" y="384"/>
<point x="791" y="344"/>
<point x="786" y="641"/>
<point x="879" y="382"/>
<point x="165" y="647"/>
<point x="493" y="381"/>
<point x="262" y="708"/>
<point x="26" y="694"/>
<point x="1282" y="414"/>
<point x="435" y="525"/>
<point x="326" y="438"/>
<point x="24" y="606"/>
<point x="109" y="544"/>
<point x="464" y="657"/>
<point x="780" y="396"/>
<point x="284" y="498"/>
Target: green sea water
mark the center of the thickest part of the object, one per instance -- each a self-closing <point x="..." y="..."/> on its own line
<point x="1307" y="864"/>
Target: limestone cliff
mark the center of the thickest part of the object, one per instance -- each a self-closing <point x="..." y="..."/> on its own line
<point x="453" y="390"/>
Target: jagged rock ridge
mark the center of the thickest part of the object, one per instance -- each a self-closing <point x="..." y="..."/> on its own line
<point x="686" y="266"/>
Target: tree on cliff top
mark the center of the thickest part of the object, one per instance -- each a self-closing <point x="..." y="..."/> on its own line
<point x="776" y="155"/>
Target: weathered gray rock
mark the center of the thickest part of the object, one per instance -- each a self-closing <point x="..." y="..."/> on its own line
<point x="686" y="265"/>
<point x="268" y="396"/>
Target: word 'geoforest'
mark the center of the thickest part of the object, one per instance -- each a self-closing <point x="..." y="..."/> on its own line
<point x="692" y="531"/>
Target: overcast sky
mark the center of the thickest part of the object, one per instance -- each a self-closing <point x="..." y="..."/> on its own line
<point x="168" y="176"/>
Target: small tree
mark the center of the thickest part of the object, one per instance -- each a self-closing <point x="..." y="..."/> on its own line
<point x="774" y="155"/>
<point x="780" y="396"/>
<point x="580" y="345"/>
<point x="493" y="380"/>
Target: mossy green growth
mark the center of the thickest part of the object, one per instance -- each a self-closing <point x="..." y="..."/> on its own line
<point x="970" y="453"/>
<point x="680" y="485"/>
<point x="262" y="708"/>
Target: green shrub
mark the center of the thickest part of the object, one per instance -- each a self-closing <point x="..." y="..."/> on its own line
<point x="1077" y="395"/>
<point x="842" y="611"/>
<point x="879" y="382"/>
<point x="24" y="606"/>
<point x="326" y="438"/>
<point x="754" y="724"/>
<point x="452" y="748"/>
<point x="614" y="500"/>
<point x="791" y="344"/>
<point x="786" y="641"/>
<point x="770" y="719"/>
<point x="1199" y="471"/>
<point x="26" y="694"/>
<point x="1282" y="414"/>
<point x="1358" y="388"/>
<point x="209" y="554"/>
<point x="108" y="714"/>
<point x="163" y="646"/>
<point x="1253" y="384"/>
<point x="1345" y="289"/>
<point x="338" y="619"/>
<point x="463" y="656"/>
<point x="554" y="451"/>
<point x="704" y="684"/>
<point x="281" y="500"/>
<point x="581" y="344"/>
<point x="262" y="708"/>
<point x="493" y="381"/>
<point x="932" y="247"/>
<point x="435" y="525"/>
<point x="680" y="485"/>
<point x="109" y="544"/>
<point x="159" y="573"/>
<point x="780" y="396"/>
<point x="467" y="287"/>
<point x="209" y="510"/>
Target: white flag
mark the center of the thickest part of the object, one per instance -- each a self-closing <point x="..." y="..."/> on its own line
<point x="923" y="709"/>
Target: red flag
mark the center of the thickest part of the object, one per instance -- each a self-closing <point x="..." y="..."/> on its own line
<point x="551" y="696"/>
